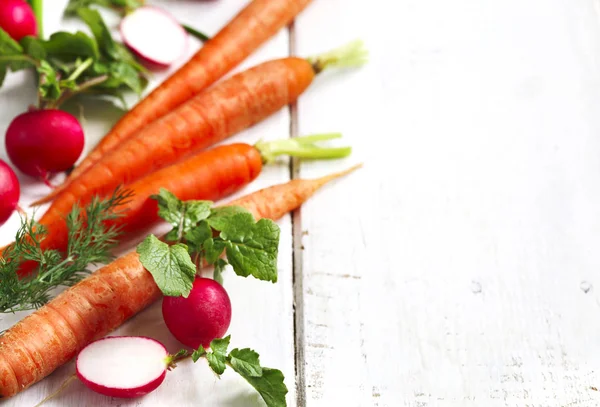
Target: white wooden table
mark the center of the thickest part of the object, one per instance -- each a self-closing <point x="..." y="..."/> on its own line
<point x="460" y="266"/>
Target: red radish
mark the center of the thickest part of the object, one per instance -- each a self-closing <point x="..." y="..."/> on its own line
<point x="123" y="366"/>
<point x="201" y="317"/>
<point x="42" y="142"/>
<point x="17" y="19"/>
<point x="10" y="192"/>
<point x="154" y="36"/>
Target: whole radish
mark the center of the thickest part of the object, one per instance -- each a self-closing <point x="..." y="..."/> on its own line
<point x="201" y="317"/>
<point x="42" y="142"/>
<point x="17" y="19"/>
<point x="10" y="192"/>
<point x="157" y="48"/>
<point x="123" y="366"/>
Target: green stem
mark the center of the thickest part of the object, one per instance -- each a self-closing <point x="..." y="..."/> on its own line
<point x="80" y="69"/>
<point x="198" y="34"/>
<point x="68" y="94"/>
<point x="302" y="147"/>
<point x="350" y="55"/>
<point x="37" y="7"/>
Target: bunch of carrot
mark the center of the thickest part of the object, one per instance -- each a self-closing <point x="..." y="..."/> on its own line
<point x="158" y="144"/>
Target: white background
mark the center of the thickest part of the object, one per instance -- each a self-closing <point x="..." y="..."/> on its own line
<point x="459" y="267"/>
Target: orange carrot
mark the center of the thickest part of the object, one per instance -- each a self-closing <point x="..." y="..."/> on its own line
<point x="196" y="178"/>
<point x="258" y="22"/>
<point x="52" y="335"/>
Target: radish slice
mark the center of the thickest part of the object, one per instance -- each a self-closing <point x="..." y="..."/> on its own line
<point x="154" y="36"/>
<point x="123" y="366"/>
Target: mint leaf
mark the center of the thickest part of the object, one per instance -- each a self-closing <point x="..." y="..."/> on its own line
<point x="270" y="385"/>
<point x="218" y="272"/>
<point x="198" y="353"/>
<point x="171" y="266"/>
<point x="218" y="357"/>
<point x="245" y="362"/>
<point x="251" y="247"/>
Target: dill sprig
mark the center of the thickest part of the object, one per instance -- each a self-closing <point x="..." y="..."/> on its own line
<point x="90" y="241"/>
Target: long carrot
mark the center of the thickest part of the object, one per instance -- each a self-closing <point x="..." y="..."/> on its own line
<point x="218" y="113"/>
<point x="52" y="335"/>
<point x="255" y="24"/>
<point x="209" y="175"/>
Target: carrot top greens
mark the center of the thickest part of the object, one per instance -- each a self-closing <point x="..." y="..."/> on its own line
<point x="90" y="242"/>
<point x="205" y="234"/>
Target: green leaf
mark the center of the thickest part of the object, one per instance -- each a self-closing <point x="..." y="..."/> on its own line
<point x="213" y="250"/>
<point x="105" y="41"/>
<point x="218" y="272"/>
<point x="220" y="216"/>
<point x="270" y="385"/>
<point x="251" y="247"/>
<point x="196" y="236"/>
<point x="71" y="46"/>
<point x="218" y="357"/>
<point x="171" y="266"/>
<point x="216" y="363"/>
<point x="120" y="74"/>
<point x="74" y="5"/>
<point x="183" y="216"/>
<point x="198" y="353"/>
<point x="8" y="46"/>
<point x="33" y="47"/>
<point x="49" y="84"/>
<point x="245" y="362"/>
<point x="12" y="56"/>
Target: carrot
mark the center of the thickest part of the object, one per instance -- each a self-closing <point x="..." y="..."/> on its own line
<point x="52" y="335"/>
<point x="196" y="178"/>
<point x="255" y="24"/>
<point x="218" y="113"/>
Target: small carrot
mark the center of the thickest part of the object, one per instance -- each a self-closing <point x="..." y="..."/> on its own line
<point x="255" y="24"/>
<point x="209" y="175"/>
<point x="227" y="108"/>
<point x="52" y="335"/>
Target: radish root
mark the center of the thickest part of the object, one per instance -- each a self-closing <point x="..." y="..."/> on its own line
<point x="63" y="386"/>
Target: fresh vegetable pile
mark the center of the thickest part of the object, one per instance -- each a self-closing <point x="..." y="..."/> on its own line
<point x="155" y="165"/>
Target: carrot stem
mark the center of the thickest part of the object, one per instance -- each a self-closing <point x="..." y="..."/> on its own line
<point x="302" y="147"/>
<point x="353" y="54"/>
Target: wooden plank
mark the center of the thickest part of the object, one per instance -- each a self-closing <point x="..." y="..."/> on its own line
<point x="262" y="312"/>
<point x="460" y="266"/>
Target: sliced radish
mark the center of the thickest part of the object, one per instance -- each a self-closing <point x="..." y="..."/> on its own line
<point x="154" y="36"/>
<point x="123" y="366"/>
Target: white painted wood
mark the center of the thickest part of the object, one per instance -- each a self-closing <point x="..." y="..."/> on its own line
<point x="262" y="312"/>
<point x="460" y="266"/>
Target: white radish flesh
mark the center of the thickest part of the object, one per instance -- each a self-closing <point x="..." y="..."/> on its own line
<point x="123" y="366"/>
<point x="154" y="36"/>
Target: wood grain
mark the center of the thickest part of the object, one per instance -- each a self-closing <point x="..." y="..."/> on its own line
<point x="459" y="267"/>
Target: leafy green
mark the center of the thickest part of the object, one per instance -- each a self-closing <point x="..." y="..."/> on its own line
<point x="183" y="216"/>
<point x="268" y="382"/>
<point x="33" y="47"/>
<point x="49" y="86"/>
<point x="218" y="272"/>
<point x="171" y="266"/>
<point x="101" y="33"/>
<point x="12" y="56"/>
<point x="69" y="47"/>
<point x="245" y="362"/>
<point x="251" y="247"/>
<point x="118" y="5"/>
<point x="270" y="385"/>
<point x="90" y="241"/>
<point x="218" y="357"/>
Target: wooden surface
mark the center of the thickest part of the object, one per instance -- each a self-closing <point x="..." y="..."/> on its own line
<point x="460" y="266"/>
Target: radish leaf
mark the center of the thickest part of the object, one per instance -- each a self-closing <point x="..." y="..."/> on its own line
<point x="245" y="362"/>
<point x="270" y="385"/>
<point x="170" y="266"/>
<point x="218" y="357"/>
